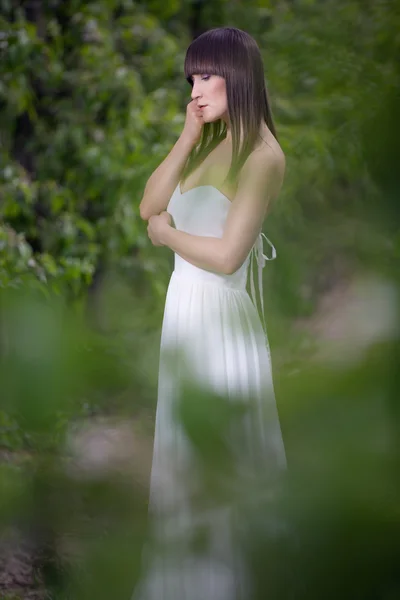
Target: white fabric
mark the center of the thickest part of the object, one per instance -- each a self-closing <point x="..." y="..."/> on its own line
<point x="212" y="335"/>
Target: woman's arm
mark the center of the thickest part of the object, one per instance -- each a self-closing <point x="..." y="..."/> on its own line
<point x="259" y="184"/>
<point x="163" y="181"/>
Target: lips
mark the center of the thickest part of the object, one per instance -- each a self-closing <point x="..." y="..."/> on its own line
<point x="203" y="105"/>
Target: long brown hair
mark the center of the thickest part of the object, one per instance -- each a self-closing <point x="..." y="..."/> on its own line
<point x="233" y="54"/>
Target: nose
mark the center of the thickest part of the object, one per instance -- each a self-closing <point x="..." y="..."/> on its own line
<point x="195" y="92"/>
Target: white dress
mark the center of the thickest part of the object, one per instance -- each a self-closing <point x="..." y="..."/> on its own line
<point x="211" y="336"/>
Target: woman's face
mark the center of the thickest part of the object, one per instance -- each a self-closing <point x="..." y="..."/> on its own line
<point x="210" y="90"/>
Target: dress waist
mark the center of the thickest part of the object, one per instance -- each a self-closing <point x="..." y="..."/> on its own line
<point x="185" y="272"/>
<point x="199" y="276"/>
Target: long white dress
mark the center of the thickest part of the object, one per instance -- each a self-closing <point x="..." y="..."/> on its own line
<point x="212" y="337"/>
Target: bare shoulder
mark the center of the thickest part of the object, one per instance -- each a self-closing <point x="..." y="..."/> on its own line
<point x="269" y="155"/>
<point x="264" y="168"/>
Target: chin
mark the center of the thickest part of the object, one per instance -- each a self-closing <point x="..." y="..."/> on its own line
<point x="211" y="119"/>
<point x="214" y="117"/>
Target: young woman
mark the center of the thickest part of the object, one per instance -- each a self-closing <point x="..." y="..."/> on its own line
<point x="207" y="201"/>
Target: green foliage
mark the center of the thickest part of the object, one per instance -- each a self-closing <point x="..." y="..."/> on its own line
<point x="92" y="97"/>
<point x="90" y="109"/>
<point x="12" y="436"/>
<point x="82" y="114"/>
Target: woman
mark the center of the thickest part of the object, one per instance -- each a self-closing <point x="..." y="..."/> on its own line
<point x="207" y="201"/>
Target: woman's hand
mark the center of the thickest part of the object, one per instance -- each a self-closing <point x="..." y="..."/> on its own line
<point x="194" y="122"/>
<point x="156" y="227"/>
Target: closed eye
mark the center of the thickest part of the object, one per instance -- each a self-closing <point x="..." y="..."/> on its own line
<point x="202" y="77"/>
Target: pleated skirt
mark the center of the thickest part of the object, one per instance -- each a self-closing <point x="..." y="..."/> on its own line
<point x="216" y="428"/>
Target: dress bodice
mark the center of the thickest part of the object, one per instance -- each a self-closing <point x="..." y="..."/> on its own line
<point x="203" y="211"/>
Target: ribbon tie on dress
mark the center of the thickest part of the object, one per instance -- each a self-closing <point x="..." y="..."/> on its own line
<point x="257" y="253"/>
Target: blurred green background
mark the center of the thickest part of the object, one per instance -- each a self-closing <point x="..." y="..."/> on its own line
<point x="92" y="98"/>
